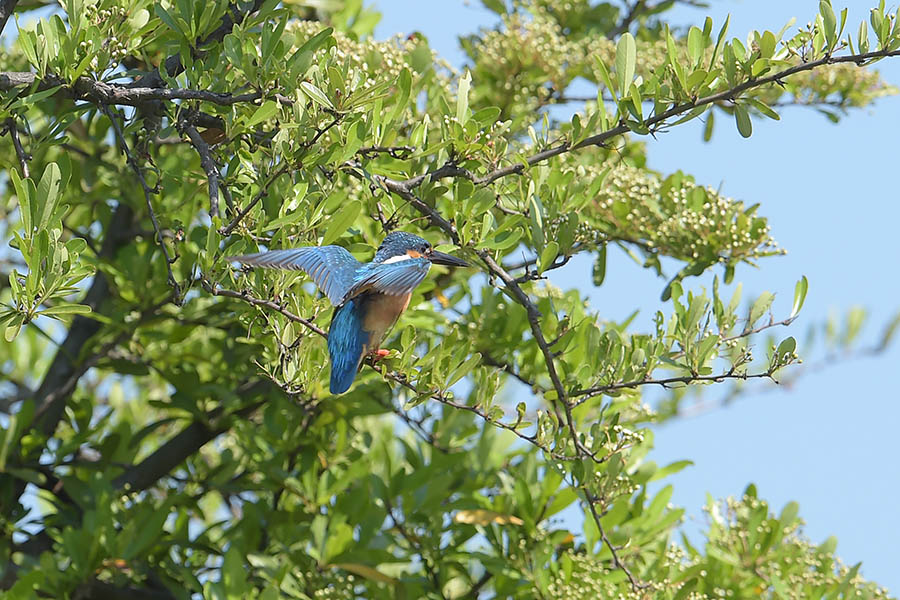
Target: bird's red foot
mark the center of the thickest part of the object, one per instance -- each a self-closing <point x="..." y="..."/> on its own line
<point x="380" y="354"/>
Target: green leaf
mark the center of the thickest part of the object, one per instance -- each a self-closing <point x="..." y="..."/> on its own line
<point x="787" y="346"/>
<point x="863" y="38"/>
<point x="139" y="18"/>
<point x="742" y="118"/>
<point x="626" y="56"/>
<point x="799" y="296"/>
<point x="709" y="126"/>
<point x="166" y="18"/>
<point x="487" y="116"/>
<point x="316" y="95"/>
<point x="764" y="109"/>
<point x="47" y="195"/>
<point x="536" y="212"/>
<point x="695" y="45"/>
<point x="66" y="309"/>
<point x="463" y="369"/>
<point x="498" y="6"/>
<point x="671" y="469"/>
<point x="889" y="332"/>
<point x="313" y="43"/>
<point x="404" y="84"/>
<point x="341" y="221"/>
<point x="503" y="240"/>
<point x="760" y="307"/>
<point x="265" y="112"/>
<point x="480" y="202"/>
<point x="830" y="22"/>
<point x="604" y="76"/>
<point x="719" y="39"/>
<point x="462" y="98"/>
<point x="551" y="250"/>
<point x="12" y="329"/>
<point x="234" y="574"/>
<point x="25" y="201"/>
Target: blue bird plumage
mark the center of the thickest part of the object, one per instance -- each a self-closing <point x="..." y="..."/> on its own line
<point x="346" y="342"/>
<point x="369" y="298"/>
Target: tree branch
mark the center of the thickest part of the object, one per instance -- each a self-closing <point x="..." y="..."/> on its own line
<point x="173" y="65"/>
<point x="23" y="156"/>
<point x="263" y="191"/>
<point x="193" y="437"/>
<point x="101" y="92"/>
<point x="213" y="176"/>
<point x="7" y="7"/>
<point x="633" y="12"/>
<point x="449" y="170"/>
<point x="215" y="291"/>
<point x="667" y="382"/>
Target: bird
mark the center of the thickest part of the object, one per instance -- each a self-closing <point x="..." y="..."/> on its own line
<point x="368" y="297"/>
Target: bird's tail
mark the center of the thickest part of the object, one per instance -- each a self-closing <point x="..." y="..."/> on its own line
<point x="346" y="345"/>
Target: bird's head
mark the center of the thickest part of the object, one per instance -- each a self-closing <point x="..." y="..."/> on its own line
<point x="400" y="245"/>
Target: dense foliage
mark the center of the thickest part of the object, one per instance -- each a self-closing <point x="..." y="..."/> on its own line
<point x="167" y="428"/>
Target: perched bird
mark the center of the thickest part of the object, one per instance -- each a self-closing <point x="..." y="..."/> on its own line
<point x="369" y="297"/>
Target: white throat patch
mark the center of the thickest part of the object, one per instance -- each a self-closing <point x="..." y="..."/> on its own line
<point x="396" y="259"/>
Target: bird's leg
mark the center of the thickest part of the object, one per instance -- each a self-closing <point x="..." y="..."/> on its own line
<point x="380" y="354"/>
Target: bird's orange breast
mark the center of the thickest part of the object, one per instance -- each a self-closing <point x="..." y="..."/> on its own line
<point x="382" y="311"/>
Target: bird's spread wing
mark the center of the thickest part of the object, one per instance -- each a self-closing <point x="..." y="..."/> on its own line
<point x="393" y="279"/>
<point x="332" y="268"/>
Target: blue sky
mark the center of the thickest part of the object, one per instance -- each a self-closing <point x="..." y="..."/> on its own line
<point x="830" y="191"/>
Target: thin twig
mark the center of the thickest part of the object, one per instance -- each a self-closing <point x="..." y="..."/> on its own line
<point x="263" y="191"/>
<point x="321" y="131"/>
<point x="450" y="170"/>
<point x="635" y="584"/>
<point x="417" y="426"/>
<point x="667" y="382"/>
<point x="148" y="192"/>
<point x="23" y="156"/>
<point x="636" y="9"/>
<point x="215" y="291"/>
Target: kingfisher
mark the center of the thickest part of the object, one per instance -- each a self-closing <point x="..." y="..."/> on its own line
<point x="368" y="297"/>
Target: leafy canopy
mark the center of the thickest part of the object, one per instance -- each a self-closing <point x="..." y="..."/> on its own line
<point x="168" y="431"/>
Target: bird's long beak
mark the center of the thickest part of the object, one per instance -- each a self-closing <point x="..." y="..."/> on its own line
<point x="439" y="258"/>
